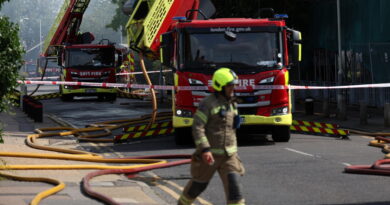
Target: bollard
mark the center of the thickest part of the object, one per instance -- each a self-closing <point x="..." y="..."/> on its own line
<point x="387" y="115"/>
<point x="38" y="112"/>
<point x="24" y="103"/>
<point x="292" y="101"/>
<point x="363" y="113"/>
<point x="325" y="108"/>
<point x="309" y="106"/>
<point x="341" y="106"/>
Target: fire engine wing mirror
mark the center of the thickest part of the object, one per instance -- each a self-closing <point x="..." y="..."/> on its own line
<point x="166" y="49"/>
<point x="295" y="46"/>
<point x="207" y="8"/>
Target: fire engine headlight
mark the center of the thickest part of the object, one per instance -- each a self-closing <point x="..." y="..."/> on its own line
<point x="267" y="80"/>
<point x="280" y="111"/>
<point x="183" y="113"/>
<point x="74" y="74"/>
<point x="195" y="82"/>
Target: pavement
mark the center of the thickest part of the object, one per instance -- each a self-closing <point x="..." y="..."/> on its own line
<point x="16" y="126"/>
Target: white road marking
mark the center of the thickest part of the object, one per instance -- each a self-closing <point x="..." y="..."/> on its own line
<point x="299" y="152"/>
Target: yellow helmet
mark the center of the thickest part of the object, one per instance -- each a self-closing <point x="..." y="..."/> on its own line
<point x="223" y="77"/>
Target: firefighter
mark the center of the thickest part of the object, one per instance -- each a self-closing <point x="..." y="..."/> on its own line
<point x="214" y="133"/>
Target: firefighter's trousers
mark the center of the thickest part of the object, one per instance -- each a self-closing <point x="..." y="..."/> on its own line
<point x="229" y="170"/>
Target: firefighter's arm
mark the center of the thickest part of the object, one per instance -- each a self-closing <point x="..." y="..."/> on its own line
<point x="198" y="128"/>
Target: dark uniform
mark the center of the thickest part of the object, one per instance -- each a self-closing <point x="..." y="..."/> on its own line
<point x="213" y="130"/>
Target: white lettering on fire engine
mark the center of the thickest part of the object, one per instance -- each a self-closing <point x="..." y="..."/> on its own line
<point x="234" y="29"/>
<point x="87" y="73"/>
<point x="241" y="82"/>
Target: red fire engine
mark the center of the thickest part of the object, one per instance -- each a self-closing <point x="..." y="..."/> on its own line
<point x="260" y="51"/>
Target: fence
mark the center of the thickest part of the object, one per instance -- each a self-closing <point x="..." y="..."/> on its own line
<point x="362" y="63"/>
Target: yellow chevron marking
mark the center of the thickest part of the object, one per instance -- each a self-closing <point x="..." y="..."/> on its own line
<point x="316" y="129"/>
<point x="162" y="131"/>
<point x="306" y="123"/>
<point x="124" y="136"/>
<point x="154" y="125"/>
<point x="142" y="127"/>
<point x="342" y="132"/>
<point x="138" y="134"/>
<point x="317" y="124"/>
<point x="303" y="128"/>
<point x="130" y="129"/>
<point x="329" y="131"/>
<point x="292" y="128"/>
<point x="150" y="133"/>
<point x="330" y="126"/>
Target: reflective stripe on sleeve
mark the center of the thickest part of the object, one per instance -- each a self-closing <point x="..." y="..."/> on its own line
<point x="200" y="141"/>
<point x="201" y="116"/>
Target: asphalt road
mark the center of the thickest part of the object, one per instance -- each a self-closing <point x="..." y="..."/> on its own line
<point x="306" y="170"/>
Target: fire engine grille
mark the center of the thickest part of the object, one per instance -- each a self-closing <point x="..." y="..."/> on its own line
<point x="247" y="111"/>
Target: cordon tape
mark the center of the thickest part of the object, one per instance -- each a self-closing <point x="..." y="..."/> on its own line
<point x="169" y="87"/>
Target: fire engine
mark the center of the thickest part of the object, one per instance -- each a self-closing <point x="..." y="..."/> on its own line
<point x="79" y="60"/>
<point x="261" y="51"/>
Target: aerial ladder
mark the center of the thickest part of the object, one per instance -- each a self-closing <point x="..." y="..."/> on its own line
<point x="66" y="26"/>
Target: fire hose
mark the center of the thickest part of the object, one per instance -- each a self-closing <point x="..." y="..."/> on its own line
<point x="143" y="163"/>
<point x="380" y="167"/>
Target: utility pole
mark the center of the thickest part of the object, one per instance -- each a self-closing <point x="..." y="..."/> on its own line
<point x="341" y="107"/>
<point x="40" y="35"/>
<point x="121" y="33"/>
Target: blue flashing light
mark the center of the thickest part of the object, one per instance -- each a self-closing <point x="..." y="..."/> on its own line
<point x="281" y="16"/>
<point x="179" y="18"/>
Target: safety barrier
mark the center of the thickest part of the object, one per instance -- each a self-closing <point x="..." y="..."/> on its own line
<point x="315" y="124"/>
<point x="327" y="129"/>
<point x="33" y="108"/>
<point x="159" y="128"/>
<point x="46" y="96"/>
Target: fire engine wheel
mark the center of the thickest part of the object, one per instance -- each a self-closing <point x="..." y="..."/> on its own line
<point x="111" y="97"/>
<point x="183" y="136"/>
<point x="281" y="134"/>
<point x="107" y="97"/>
<point x="66" y="98"/>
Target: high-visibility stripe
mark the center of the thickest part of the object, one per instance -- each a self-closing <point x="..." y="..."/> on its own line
<point x="216" y="110"/>
<point x="201" y="140"/>
<point x="229" y="150"/>
<point x="185" y="201"/>
<point x="201" y="116"/>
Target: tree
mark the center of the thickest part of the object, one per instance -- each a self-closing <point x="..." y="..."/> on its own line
<point x="11" y="53"/>
<point x="10" y="61"/>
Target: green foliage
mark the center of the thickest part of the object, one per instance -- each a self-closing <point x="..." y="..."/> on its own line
<point x="119" y="18"/>
<point x="10" y="60"/>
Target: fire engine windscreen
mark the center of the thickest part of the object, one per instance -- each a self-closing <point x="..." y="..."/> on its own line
<point x="90" y="58"/>
<point x="247" y="51"/>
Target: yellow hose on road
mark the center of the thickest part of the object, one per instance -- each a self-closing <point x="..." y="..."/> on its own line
<point x="59" y="185"/>
<point x="75" y="155"/>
